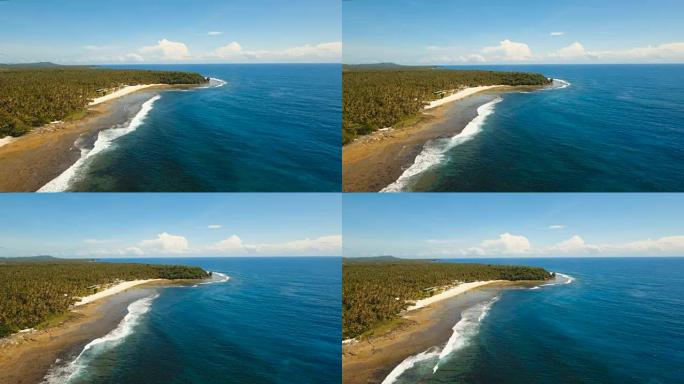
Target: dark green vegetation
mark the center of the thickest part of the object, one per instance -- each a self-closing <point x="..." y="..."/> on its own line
<point x="32" y="95"/>
<point x="35" y="290"/>
<point x="376" y="291"/>
<point x="377" y="96"/>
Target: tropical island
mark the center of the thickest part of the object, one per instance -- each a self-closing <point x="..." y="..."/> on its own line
<point x="390" y="111"/>
<point x="45" y="108"/>
<point x="394" y="308"/>
<point x="50" y="305"/>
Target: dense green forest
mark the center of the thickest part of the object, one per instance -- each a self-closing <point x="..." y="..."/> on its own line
<point x="378" y="96"/>
<point x="33" y="95"/>
<point x="34" y="290"/>
<point x="375" y="291"/>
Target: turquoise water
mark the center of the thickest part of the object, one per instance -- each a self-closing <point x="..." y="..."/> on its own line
<point x="277" y="320"/>
<point x="619" y="321"/>
<point x="615" y="128"/>
<point x="271" y="127"/>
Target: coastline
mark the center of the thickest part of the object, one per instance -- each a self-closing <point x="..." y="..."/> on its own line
<point x="27" y="357"/>
<point x="31" y="161"/>
<point x="113" y="290"/>
<point x="375" y="161"/>
<point x="372" y="359"/>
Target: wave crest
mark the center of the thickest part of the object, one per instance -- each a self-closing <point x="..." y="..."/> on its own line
<point x="64" y="373"/>
<point x="104" y="140"/>
<point x="463" y="331"/>
<point x="433" y="152"/>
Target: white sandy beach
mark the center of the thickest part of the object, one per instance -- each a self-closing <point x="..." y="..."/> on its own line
<point x="116" y="288"/>
<point x="451" y="292"/>
<point x="460" y="95"/>
<point x="121" y="92"/>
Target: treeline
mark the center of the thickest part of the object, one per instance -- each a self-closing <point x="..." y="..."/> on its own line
<point x="32" y="96"/>
<point x="32" y="292"/>
<point x="377" y="291"/>
<point x="378" y="97"/>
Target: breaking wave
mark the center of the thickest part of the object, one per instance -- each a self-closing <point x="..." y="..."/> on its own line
<point x="63" y="373"/>
<point x="104" y="140"/>
<point x="433" y="152"/>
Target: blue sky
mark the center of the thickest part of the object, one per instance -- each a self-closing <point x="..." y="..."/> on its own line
<point x="435" y="225"/>
<point x="190" y="224"/>
<point x="179" y="31"/>
<point x="508" y="31"/>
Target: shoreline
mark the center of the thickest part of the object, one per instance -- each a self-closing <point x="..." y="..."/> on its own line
<point x="113" y="290"/>
<point x="373" y="162"/>
<point x="372" y="359"/>
<point x="31" y="161"/>
<point x="28" y="356"/>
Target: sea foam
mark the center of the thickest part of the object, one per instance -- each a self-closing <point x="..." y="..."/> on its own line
<point x="463" y="331"/>
<point x="222" y="278"/>
<point x="104" y="140"/>
<point x="64" y="373"/>
<point x="433" y="152"/>
<point x="567" y="280"/>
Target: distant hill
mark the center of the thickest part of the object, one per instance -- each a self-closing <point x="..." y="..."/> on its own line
<point x="372" y="259"/>
<point x="382" y="66"/>
<point x="43" y="64"/>
<point x="38" y="259"/>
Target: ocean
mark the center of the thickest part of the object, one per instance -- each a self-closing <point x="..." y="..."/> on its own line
<point x="610" y="320"/>
<point x="276" y="320"/>
<point x="614" y="128"/>
<point x="269" y="127"/>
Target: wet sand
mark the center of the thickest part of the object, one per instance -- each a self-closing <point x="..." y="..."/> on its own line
<point x="369" y="361"/>
<point x="374" y="161"/>
<point x="34" y="159"/>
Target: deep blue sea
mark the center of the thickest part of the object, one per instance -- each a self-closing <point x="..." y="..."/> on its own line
<point x="271" y="127"/>
<point x="276" y="320"/>
<point x="614" y="128"/>
<point x="619" y="321"/>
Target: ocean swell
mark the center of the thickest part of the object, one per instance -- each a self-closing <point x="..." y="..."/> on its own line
<point x="463" y="331"/>
<point x="433" y="152"/>
<point x="63" y="373"/>
<point x="104" y="140"/>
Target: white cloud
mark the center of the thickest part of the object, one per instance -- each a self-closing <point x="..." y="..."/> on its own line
<point x="321" y="246"/>
<point x="228" y="51"/>
<point x="215" y="226"/>
<point x="573" y="51"/>
<point x="670" y="52"/>
<point x="231" y="245"/>
<point x="515" y="245"/>
<point x="574" y="245"/>
<point x="132" y="57"/>
<point x="556" y="33"/>
<point x="166" y="50"/>
<point x="165" y="243"/>
<point x="331" y="50"/>
<point x="320" y="52"/>
<point x="214" y="33"/>
<point x="506" y="244"/>
<point x="508" y="50"/>
<point x="556" y="226"/>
